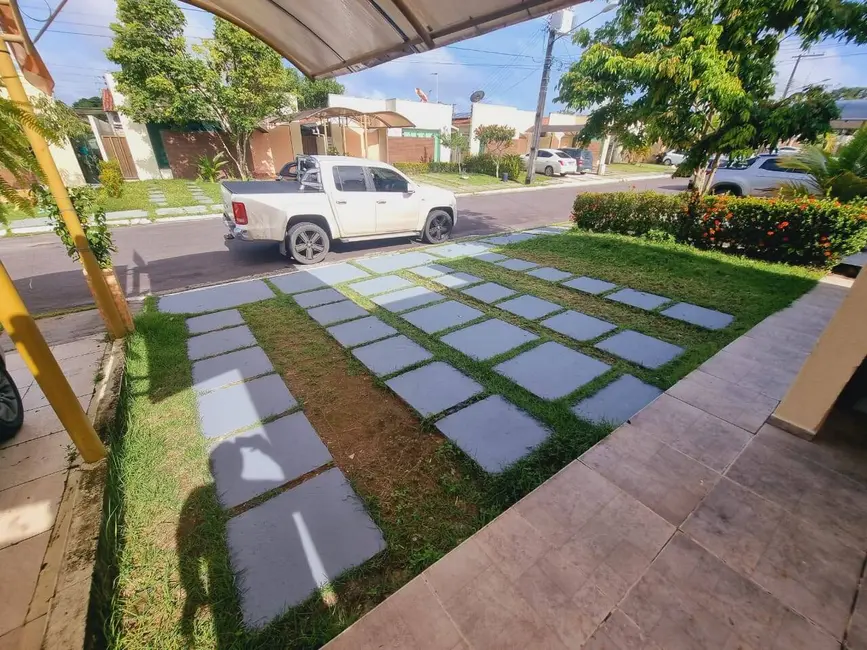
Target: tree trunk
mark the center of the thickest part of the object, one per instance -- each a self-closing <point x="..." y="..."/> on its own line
<point x="708" y="181"/>
<point x="241" y="150"/>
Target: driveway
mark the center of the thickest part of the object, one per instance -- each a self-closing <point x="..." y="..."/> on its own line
<point x="170" y="256"/>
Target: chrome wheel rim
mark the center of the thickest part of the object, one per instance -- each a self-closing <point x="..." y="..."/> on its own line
<point x="9" y="407"/>
<point x="309" y="244"/>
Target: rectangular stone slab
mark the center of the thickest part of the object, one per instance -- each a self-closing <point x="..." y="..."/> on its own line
<point x="212" y="373"/>
<point x="578" y="326"/>
<point x="251" y="463"/>
<point x="503" y="240"/>
<point x="640" y="299"/>
<point x="297" y="282"/>
<point x="488" y="339"/>
<point x="590" y="285"/>
<point x="223" y="296"/>
<point x="431" y="270"/>
<point x="319" y="297"/>
<point x="456" y="280"/>
<point x="336" y="312"/>
<point x="491" y="257"/>
<point x="549" y="273"/>
<point x="529" y="307"/>
<point x="390" y="355"/>
<point x="489" y="292"/>
<point x="242" y="405"/>
<point x="442" y="316"/>
<point x="493" y="432"/>
<point x="337" y="273"/>
<point x="285" y="549"/>
<point x="380" y="285"/>
<point x="517" y="265"/>
<point x="207" y="345"/>
<point x="617" y="402"/>
<point x="466" y="249"/>
<point x="395" y="262"/>
<point x="363" y="330"/>
<point x="701" y="316"/>
<point x="547" y="230"/>
<point x="405" y="299"/>
<point x="551" y="370"/>
<point x="641" y="349"/>
<point x="215" y="321"/>
<point x="434" y="388"/>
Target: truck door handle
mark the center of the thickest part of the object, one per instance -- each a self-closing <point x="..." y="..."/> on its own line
<point x="340" y="202"/>
<point x="380" y="202"/>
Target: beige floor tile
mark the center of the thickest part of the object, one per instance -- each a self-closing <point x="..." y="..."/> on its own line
<point x="39" y="423"/>
<point x="768" y="345"/>
<point x="91" y="345"/>
<point x="662" y="478"/>
<point x="27" y="637"/>
<point x="457" y="569"/>
<point x="19" y="570"/>
<point x="618" y="632"/>
<point x="857" y="633"/>
<point x="34" y="459"/>
<point x="512" y="543"/>
<point x="29" y="509"/>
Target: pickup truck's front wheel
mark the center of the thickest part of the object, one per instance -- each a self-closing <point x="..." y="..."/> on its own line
<point x="307" y="243"/>
<point x="438" y="227"/>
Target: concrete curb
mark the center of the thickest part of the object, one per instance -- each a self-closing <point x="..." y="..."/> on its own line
<point x="139" y="221"/>
<point x="570" y="185"/>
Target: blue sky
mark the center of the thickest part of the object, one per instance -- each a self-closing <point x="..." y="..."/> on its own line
<point x="508" y="70"/>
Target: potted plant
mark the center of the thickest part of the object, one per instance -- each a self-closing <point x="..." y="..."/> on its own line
<point x="91" y="214"/>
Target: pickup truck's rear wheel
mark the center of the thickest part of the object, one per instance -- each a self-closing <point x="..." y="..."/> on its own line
<point x="11" y="408"/>
<point x="307" y="243"/>
<point x="438" y="227"/>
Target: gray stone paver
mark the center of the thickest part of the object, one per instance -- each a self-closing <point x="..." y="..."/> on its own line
<point x="405" y="299"/>
<point x="550" y="274"/>
<point x="442" y="316"/>
<point x="502" y="240"/>
<point x="493" y="432"/>
<point x="491" y="257"/>
<point x="318" y="297"/>
<point x="336" y="312"/>
<point x="641" y="349"/>
<point x="617" y="402"/>
<point x="488" y="339"/>
<point x="701" y="316"/>
<point x="551" y="370"/>
<point x="465" y="249"/>
<point x="251" y="463"/>
<point x="547" y="230"/>
<point x="434" y="388"/>
<point x="456" y="280"/>
<point x="529" y="307"/>
<point x="578" y="326"/>
<point x="431" y="270"/>
<point x="207" y="345"/>
<point x="122" y="214"/>
<point x="358" y="332"/>
<point x="590" y="285"/>
<point x="640" y="299"/>
<point x="212" y="373"/>
<point x="381" y="284"/>
<point x="297" y="282"/>
<point x="395" y="262"/>
<point x="215" y="298"/>
<point x="517" y="265"/>
<point x="283" y="550"/>
<point x="215" y="321"/>
<point x="242" y="405"/>
<point x="489" y="292"/>
<point x="390" y="355"/>
<point x="337" y="273"/>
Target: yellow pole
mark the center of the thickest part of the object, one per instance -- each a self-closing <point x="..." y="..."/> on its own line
<point x="36" y="353"/>
<point x="12" y="82"/>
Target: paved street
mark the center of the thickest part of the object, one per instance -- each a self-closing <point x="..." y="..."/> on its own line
<point x="170" y="256"/>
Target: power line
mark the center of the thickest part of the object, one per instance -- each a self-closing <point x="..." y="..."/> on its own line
<point x="473" y="49"/>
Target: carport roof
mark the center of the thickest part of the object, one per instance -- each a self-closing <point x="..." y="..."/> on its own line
<point x="328" y="38"/>
<point x="376" y="119"/>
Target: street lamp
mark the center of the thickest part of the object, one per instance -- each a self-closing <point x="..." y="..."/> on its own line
<point x="543" y="87"/>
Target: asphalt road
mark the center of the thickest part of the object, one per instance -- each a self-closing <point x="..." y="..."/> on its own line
<point x="169" y="256"/>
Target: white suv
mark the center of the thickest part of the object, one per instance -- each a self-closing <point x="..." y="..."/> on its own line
<point x="758" y="176"/>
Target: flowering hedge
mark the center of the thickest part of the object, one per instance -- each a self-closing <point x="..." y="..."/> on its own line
<point x="797" y="231"/>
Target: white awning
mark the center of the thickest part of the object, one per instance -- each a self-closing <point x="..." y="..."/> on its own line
<point x="328" y="38"/>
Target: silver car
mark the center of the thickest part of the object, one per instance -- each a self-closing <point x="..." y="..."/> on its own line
<point x="11" y="406"/>
<point x="759" y="176"/>
<point x="552" y="161"/>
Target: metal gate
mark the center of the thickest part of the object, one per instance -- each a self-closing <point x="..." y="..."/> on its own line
<point x="117" y="149"/>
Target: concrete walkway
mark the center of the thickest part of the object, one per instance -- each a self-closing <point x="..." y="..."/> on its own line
<point x="695" y="525"/>
<point x="38" y="488"/>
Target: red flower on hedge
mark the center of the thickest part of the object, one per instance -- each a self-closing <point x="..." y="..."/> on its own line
<point x="785" y="224"/>
<point x="827" y="253"/>
<point x="770" y="233"/>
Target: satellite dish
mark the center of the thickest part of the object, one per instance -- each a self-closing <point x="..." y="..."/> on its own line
<point x="477" y="96"/>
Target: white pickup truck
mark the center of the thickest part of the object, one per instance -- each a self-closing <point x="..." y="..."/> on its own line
<point x="336" y="198"/>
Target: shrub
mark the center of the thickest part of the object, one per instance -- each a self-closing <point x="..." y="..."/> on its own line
<point x="111" y="178"/>
<point x="211" y="168"/>
<point x="485" y="163"/>
<point x="800" y="231"/>
<point x="426" y="167"/>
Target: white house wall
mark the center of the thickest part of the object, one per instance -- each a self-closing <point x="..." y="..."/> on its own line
<point x="486" y="114"/>
<point x="137" y="138"/>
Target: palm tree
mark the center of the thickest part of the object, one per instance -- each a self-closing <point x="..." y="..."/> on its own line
<point x="842" y="175"/>
<point x="16" y="156"/>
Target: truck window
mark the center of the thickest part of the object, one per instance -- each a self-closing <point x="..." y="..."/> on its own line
<point x="386" y="180"/>
<point x="350" y="179"/>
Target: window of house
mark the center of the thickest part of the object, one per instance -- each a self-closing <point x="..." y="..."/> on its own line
<point x="350" y="178"/>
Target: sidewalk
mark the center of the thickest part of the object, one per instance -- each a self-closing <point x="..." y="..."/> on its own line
<point x="572" y="182"/>
<point x="695" y="525"/>
<point x="40" y="485"/>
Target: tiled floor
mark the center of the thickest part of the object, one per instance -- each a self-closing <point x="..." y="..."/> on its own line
<point x="694" y="526"/>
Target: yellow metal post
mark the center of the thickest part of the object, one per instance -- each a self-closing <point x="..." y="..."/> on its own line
<point x="104" y="300"/>
<point x="37" y="355"/>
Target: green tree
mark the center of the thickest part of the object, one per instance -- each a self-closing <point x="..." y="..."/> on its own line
<point x="313" y="93"/>
<point x="60" y="120"/>
<point x="858" y="92"/>
<point x="699" y="75"/>
<point x="495" y="139"/>
<point x="88" y="102"/>
<point x="457" y="142"/>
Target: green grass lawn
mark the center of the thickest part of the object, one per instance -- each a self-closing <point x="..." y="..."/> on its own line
<point x="637" y="168"/>
<point x="475" y="182"/>
<point x="135" y="195"/>
<point x="165" y="578"/>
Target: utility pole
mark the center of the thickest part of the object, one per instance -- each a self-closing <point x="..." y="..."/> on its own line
<point x="540" y="106"/>
<point x="795" y="69"/>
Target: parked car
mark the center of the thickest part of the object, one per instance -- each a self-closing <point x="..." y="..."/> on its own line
<point x="11" y="406"/>
<point x="337" y="198"/>
<point x="673" y="157"/>
<point x="552" y="161"/>
<point x="757" y="176"/>
<point x="583" y="158"/>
